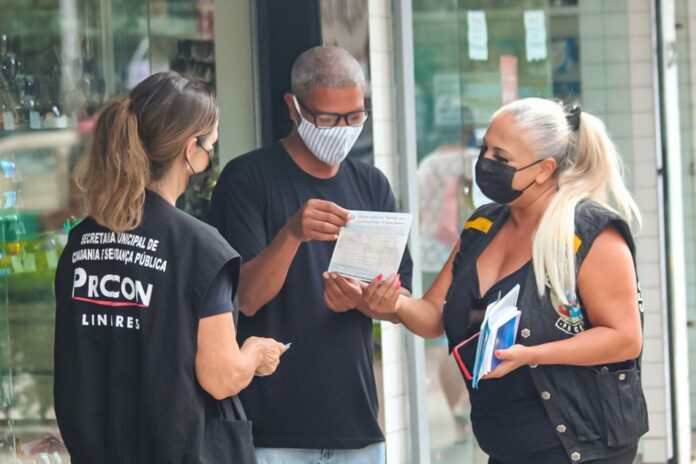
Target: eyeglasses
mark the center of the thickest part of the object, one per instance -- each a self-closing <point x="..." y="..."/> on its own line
<point x="210" y="151"/>
<point x="329" y="120"/>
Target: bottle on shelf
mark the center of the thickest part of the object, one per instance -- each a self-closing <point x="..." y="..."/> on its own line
<point x="8" y="117"/>
<point x="31" y="103"/>
<point x="4" y="46"/>
<point x="8" y="184"/>
<point x="11" y="260"/>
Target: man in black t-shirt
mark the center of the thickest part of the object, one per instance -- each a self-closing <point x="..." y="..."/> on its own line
<point x="282" y="207"/>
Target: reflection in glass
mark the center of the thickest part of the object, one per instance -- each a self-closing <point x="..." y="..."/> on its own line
<point x="345" y="23"/>
<point x="59" y="62"/>
<point x="472" y="56"/>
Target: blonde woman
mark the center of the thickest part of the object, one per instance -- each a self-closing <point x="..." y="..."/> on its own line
<point x="569" y="390"/>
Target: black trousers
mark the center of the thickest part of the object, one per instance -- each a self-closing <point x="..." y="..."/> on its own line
<point x="558" y="455"/>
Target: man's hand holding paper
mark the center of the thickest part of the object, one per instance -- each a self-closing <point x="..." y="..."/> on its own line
<point x="341" y="294"/>
<point x="318" y="220"/>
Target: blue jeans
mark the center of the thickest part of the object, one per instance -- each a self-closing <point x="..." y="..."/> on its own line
<point x="373" y="454"/>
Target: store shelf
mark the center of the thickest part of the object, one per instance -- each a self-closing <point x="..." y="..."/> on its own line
<point x="173" y="28"/>
<point x="37" y="139"/>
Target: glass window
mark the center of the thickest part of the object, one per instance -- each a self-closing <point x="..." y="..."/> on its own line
<point x="471" y="57"/>
<point x="59" y="61"/>
<point x="684" y="30"/>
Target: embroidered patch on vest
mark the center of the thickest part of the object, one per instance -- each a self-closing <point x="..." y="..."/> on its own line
<point x="571" y="318"/>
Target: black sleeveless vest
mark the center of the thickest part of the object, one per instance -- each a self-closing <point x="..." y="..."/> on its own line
<point x="127" y="310"/>
<point x="597" y="412"/>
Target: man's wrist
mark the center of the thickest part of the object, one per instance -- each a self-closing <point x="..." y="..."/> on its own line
<point x="362" y="307"/>
<point x="288" y="236"/>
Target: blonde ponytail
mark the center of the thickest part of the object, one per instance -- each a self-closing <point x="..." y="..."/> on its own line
<point x="115" y="169"/>
<point x="590" y="168"/>
<point x="595" y="172"/>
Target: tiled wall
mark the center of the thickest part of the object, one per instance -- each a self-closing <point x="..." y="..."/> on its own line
<point x="383" y="88"/>
<point x="686" y="61"/>
<point x="396" y="401"/>
<point x="617" y="57"/>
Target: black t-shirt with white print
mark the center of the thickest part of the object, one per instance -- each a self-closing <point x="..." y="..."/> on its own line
<point x="127" y="311"/>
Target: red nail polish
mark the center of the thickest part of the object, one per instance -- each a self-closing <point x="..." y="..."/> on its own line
<point x="379" y="277"/>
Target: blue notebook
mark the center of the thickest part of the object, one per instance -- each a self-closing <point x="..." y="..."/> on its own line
<point x="498" y="332"/>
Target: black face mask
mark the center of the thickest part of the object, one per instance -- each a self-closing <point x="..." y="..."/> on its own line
<point x="494" y="178"/>
<point x="197" y="179"/>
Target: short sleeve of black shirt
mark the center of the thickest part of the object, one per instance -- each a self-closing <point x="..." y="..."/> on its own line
<point x="220" y="296"/>
<point x="237" y="209"/>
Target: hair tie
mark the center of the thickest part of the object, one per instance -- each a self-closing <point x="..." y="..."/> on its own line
<point x="572" y="113"/>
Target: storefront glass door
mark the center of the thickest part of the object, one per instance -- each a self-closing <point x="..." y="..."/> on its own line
<point x="59" y="62"/>
<point x="471" y="57"/>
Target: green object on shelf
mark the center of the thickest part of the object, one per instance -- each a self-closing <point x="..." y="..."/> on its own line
<point x="68" y="225"/>
<point x="19" y="226"/>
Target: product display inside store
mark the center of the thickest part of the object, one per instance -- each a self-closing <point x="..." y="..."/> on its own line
<point x="59" y="62"/>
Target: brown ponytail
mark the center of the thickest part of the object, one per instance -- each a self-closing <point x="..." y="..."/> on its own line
<point x="135" y="141"/>
<point x="115" y="169"/>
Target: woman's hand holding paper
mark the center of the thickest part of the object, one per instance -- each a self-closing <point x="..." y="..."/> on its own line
<point x="381" y="296"/>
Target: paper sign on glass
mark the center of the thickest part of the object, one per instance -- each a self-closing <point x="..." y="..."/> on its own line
<point x="508" y="78"/>
<point x="372" y="244"/>
<point x="535" y="35"/>
<point x="478" y="35"/>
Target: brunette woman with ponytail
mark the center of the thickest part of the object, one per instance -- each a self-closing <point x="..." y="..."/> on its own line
<point x="146" y="362"/>
<point x="561" y="226"/>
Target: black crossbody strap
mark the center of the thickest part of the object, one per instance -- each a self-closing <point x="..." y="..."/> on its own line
<point x="239" y="408"/>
